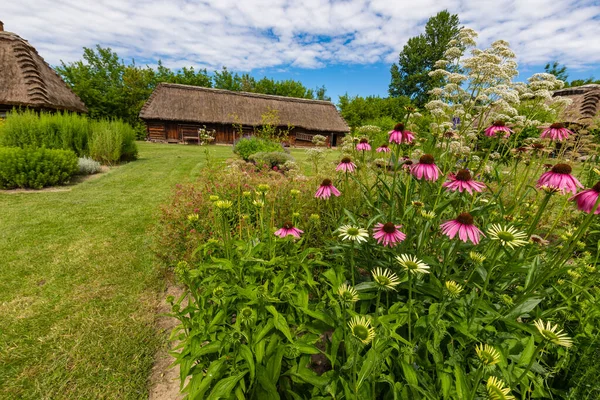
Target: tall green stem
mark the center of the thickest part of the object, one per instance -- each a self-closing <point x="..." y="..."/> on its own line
<point x="536" y="220"/>
<point x="409" y="307"/>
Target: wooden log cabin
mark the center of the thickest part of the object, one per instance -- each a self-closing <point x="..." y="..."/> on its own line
<point x="26" y="80"/>
<point x="174" y="113"/>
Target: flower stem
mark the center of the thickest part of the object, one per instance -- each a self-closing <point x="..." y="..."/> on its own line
<point x="536" y="220"/>
<point x="409" y="307"/>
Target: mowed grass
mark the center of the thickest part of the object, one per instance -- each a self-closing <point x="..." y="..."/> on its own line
<point x="79" y="284"/>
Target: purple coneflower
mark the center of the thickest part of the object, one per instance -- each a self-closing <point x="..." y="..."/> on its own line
<point x="464" y="227"/>
<point x="346" y="165"/>
<point x="383" y="149"/>
<point x="557" y="132"/>
<point x="560" y="178"/>
<point x="363" y="145"/>
<point x="426" y="168"/>
<point x="326" y="189"/>
<point x="498" y="127"/>
<point x="463" y="180"/>
<point x="399" y="135"/>
<point x="288" y="229"/>
<point x="586" y="199"/>
<point x="388" y="234"/>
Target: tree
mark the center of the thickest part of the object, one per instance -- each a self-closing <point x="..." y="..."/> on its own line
<point x="410" y="77"/>
<point x="560" y="72"/>
<point x="370" y="110"/>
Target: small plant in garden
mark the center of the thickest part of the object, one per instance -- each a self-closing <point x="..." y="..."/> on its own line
<point x="35" y="168"/>
<point x="455" y="272"/>
<point x="87" y="166"/>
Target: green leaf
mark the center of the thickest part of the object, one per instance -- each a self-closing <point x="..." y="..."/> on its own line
<point x="280" y="323"/>
<point x="527" y="353"/>
<point x="462" y="389"/>
<point x="247" y="355"/>
<point x="264" y="331"/>
<point x="223" y="388"/>
<point x="201" y="383"/>
<point x="212" y="347"/>
<point x="270" y="390"/>
<point x="446" y="382"/>
<point x="410" y="374"/>
<point x="523" y="308"/>
<point x="369" y="363"/>
<point x="321" y="316"/>
<point x="274" y="364"/>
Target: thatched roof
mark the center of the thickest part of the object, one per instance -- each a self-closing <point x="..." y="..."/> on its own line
<point x="585" y="103"/>
<point x="172" y="102"/>
<point x="26" y="79"/>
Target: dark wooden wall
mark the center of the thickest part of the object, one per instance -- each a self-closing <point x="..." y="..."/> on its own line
<point x="176" y="132"/>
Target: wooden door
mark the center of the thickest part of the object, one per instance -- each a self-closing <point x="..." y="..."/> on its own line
<point x="172" y="133"/>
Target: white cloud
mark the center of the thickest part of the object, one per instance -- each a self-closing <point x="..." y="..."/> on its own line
<point x="253" y="34"/>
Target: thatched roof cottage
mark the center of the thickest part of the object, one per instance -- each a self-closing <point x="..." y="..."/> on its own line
<point x="585" y="104"/>
<point x="27" y="81"/>
<point x="173" y="113"/>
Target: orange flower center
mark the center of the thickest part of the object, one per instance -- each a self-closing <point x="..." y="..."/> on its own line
<point x="389" y="227"/>
<point x="498" y="123"/>
<point x="463" y="175"/>
<point x="364" y="140"/>
<point x="399" y="127"/>
<point x="465" y="218"/>
<point x="288" y="225"/>
<point x="557" y="125"/>
<point x="346" y="160"/>
<point x="596" y="187"/>
<point x="426" y="159"/>
<point x="562" y="169"/>
<point x="326" y="182"/>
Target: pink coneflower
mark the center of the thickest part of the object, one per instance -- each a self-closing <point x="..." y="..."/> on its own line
<point x="383" y="149"/>
<point x="399" y="135"/>
<point x="463" y="180"/>
<point x="363" y="145"/>
<point x="426" y="168"/>
<point x="560" y="178"/>
<point x="464" y="227"/>
<point x="326" y="189"/>
<point x="388" y="234"/>
<point x="586" y="199"/>
<point x="288" y="229"/>
<point x="498" y="127"/>
<point x="557" y="132"/>
<point x="346" y="165"/>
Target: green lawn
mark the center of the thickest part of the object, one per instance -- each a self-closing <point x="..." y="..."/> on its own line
<point x="78" y="283"/>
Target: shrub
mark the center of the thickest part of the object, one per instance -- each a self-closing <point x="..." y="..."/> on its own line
<point x="64" y="130"/>
<point x="88" y="166"/>
<point x="35" y="168"/>
<point x="112" y="141"/>
<point x="106" y="141"/>
<point x="271" y="159"/>
<point x="247" y="146"/>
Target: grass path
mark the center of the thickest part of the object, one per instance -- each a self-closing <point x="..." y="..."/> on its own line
<point x="78" y="282"/>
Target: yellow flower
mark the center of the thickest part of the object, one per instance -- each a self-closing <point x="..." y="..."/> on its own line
<point x="477" y="258"/>
<point x="453" y="289"/>
<point x="412" y="264"/>
<point x="361" y="329"/>
<point x="385" y="279"/>
<point x="496" y="390"/>
<point x="223" y="204"/>
<point x="348" y="295"/>
<point x="552" y="334"/>
<point x="487" y="354"/>
<point x="508" y="235"/>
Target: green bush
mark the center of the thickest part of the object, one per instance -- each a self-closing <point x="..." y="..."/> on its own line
<point x="245" y="147"/>
<point x="65" y="130"/>
<point x="105" y="141"/>
<point x="35" y="168"/>
<point x="271" y="158"/>
<point x="112" y="141"/>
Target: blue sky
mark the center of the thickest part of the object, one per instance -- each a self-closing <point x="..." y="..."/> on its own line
<point x="346" y="45"/>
